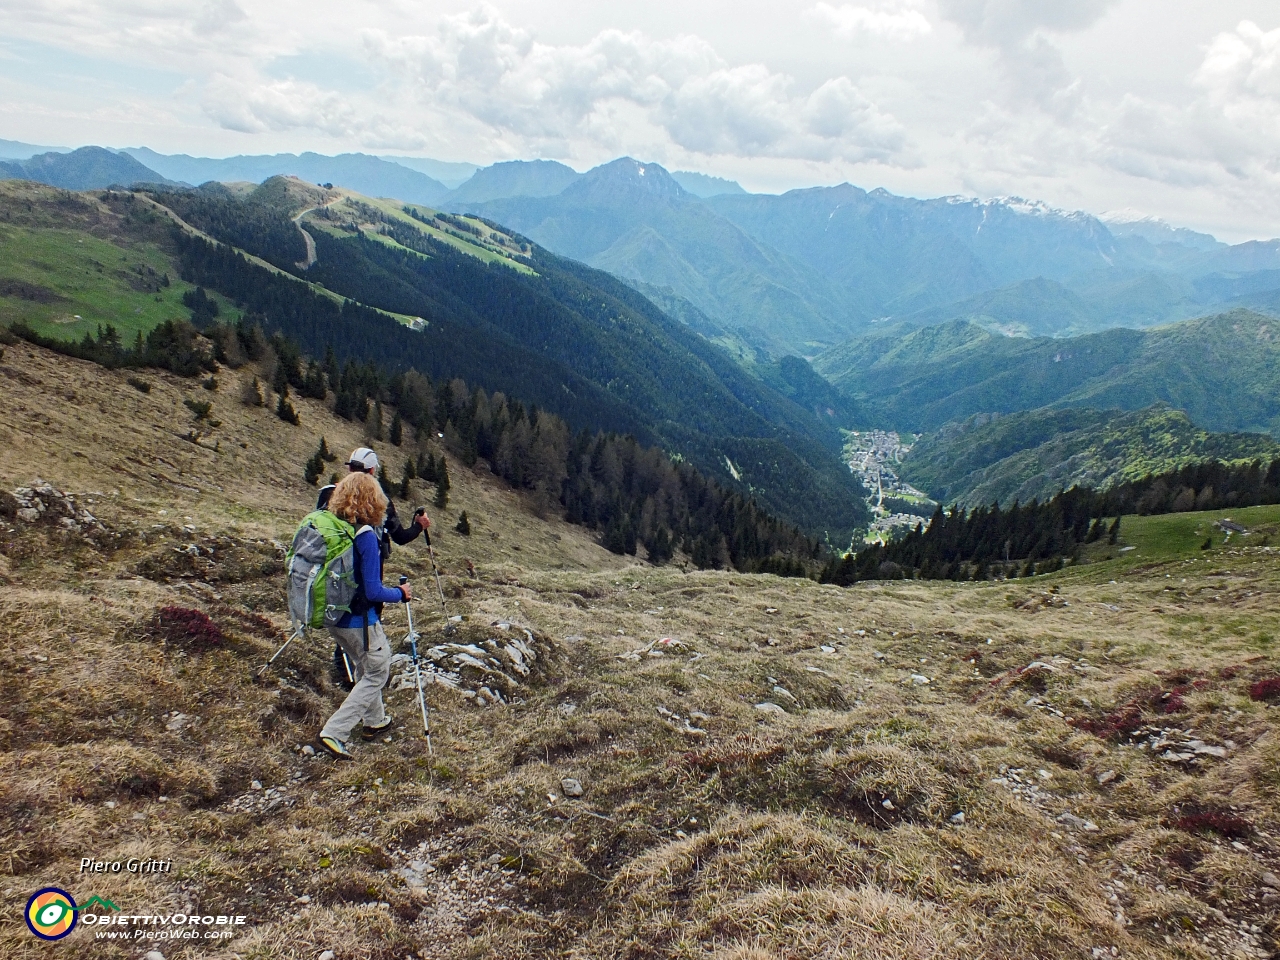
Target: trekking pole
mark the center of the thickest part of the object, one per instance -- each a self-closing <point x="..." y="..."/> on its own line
<point x="436" y="570"/>
<point x="296" y="633"/>
<point x="417" y="672"/>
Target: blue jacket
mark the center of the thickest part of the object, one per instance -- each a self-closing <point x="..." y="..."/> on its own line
<point x="369" y="580"/>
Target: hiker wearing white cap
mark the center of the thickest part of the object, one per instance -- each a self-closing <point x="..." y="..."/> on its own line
<point x="359" y="500"/>
<point x="364" y="460"/>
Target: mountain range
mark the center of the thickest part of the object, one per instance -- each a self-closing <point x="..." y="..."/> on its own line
<point x="798" y="273"/>
<point x="87" y="168"/>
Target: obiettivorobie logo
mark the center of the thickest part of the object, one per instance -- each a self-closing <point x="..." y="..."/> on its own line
<point x="52" y="912"/>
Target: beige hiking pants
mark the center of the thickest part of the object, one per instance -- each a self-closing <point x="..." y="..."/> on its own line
<point x="372" y="669"/>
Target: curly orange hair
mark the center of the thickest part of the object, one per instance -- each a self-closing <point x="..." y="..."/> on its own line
<point x="358" y="499"/>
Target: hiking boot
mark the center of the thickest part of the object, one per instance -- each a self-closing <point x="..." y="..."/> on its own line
<point x="373" y="732"/>
<point x="336" y="748"/>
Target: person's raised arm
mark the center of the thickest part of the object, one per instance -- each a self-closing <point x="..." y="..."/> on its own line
<point x="402" y="534"/>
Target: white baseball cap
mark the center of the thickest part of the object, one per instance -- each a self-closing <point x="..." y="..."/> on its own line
<point x="362" y="458"/>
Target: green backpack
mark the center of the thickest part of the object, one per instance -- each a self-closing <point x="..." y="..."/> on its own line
<point x="321" y="565"/>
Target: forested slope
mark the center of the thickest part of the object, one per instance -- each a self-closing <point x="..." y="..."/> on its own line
<point x="1023" y="456"/>
<point x="564" y="336"/>
<point x="1224" y="371"/>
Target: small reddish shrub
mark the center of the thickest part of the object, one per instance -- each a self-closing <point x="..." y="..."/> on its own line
<point x="1171" y="700"/>
<point x="1116" y="725"/>
<point x="1221" y="822"/>
<point x="1268" y="689"/>
<point x="191" y="629"/>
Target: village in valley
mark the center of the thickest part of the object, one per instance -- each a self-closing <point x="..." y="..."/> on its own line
<point x="896" y="506"/>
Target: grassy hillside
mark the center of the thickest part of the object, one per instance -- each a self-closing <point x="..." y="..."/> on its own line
<point x="1223" y="370"/>
<point x="825" y="826"/>
<point x="990" y="458"/>
<point x="1181" y="536"/>
<point x="68" y="266"/>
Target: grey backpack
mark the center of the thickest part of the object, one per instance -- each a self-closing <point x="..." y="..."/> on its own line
<point x="321" y="566"/>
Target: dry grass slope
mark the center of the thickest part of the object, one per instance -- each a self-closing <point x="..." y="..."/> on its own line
<point x="1118" y="785"/>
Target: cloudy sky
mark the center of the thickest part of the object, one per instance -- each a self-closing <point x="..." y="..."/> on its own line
<point x="1168" y="107"/>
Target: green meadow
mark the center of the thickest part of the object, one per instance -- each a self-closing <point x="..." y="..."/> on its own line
<point x="76" y="282"/>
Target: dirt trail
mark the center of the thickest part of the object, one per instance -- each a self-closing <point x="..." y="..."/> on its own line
<point x="306" y="237"/>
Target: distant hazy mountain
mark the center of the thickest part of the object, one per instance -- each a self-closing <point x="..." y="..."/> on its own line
<point x="988" y="458"/>
<point x="701" y="185"/>
<point x="794" y="273"/>
<point x="892" y="255"/>
<point x="1036" y="307"/>
<point x="16" y="150"/>
<point x="89" y="168"/>
<point x="359" y="171"/>
<point x="515" y="178"/>
<point x="1102" y="300"/>
<point x="634" y="220"/>
<point x="1131" y="223"/>
<point x="1224" y="371"/>
<point x="449" y="172"/>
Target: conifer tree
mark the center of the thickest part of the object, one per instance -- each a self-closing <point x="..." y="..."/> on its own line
<point x="313" y="385"/>
<point x="464" y="525"/>
<point x="396" y="434"/>
<point x="284" y="409"/>
<point x="427" y="467"/>
<point x="442" y="484"/>
<point x="280" y="378"/>
<point x="253" y="395"/>
<point x="331" y="369"/>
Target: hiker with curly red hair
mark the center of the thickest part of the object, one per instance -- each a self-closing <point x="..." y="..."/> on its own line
<point x="359" y="500"/>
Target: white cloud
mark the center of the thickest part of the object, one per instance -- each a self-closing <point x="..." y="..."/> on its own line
<point x="1019" y="30"/>
<point x="480" y="67"/>
<point x="1229" y="132"/>
<point x="894" y="21"/>
<point x="1004" y="22"/>
<point x="278" y="105"/>
<point x="1241" y="70"/>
